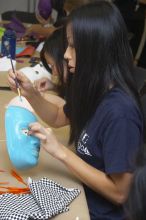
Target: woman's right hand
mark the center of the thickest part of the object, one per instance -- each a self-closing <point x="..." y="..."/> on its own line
<point x="25" y="84"/>
<point x="48" y="140"/>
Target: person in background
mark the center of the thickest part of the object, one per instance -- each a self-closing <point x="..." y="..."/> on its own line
<point x="57" y="16"/>
<point x="135" y="205"/>
<point x="52" y="57"/>
<point x="133" y="12"/>
<point x="43" y="14"/>
<point x="102" y="108"/>
<point x="49" y="17"/>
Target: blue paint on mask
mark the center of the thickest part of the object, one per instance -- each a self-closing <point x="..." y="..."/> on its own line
<point x="23" y="149"/>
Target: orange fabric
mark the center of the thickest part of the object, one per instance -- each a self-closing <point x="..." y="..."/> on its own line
<point x="11" y="189"/>
<point x="27" y="52"/>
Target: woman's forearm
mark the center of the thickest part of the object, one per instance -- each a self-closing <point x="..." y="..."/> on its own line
<point x="114" y="190"/>
<point x="50" y="113"/>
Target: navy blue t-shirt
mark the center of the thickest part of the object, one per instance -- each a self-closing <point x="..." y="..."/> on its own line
<point x="110" y="143"/>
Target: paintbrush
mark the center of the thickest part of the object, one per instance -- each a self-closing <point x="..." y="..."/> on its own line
<point x="7" y="47"/>
<point x="16" y="80"/>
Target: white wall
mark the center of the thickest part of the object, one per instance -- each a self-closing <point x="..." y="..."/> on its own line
<point x="18" y="5"/>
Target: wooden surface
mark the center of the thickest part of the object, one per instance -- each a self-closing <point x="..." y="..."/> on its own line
<point x="47" y="166"/>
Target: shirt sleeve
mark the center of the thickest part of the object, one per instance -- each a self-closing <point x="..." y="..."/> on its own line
<point x="121" y="142"/>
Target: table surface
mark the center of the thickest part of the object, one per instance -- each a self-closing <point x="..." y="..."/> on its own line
<point x="47" y="166"/>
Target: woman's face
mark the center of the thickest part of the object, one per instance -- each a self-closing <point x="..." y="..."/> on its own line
<point x="70" y="54"/>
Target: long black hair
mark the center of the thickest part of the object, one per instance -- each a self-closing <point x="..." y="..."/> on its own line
<point x="103" y="58"/>
<point x="55" y="46"/>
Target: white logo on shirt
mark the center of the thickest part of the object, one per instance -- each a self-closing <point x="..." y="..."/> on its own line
<point x="85" y="138"/>
<point x="81" y="144"/>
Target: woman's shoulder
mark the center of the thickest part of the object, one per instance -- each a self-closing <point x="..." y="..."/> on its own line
<point x="118" y="103"/>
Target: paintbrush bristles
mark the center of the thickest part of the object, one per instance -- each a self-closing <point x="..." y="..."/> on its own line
<point x="18" y="90"/>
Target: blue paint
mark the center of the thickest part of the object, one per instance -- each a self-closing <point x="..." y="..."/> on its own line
<point x="23" y="149"/>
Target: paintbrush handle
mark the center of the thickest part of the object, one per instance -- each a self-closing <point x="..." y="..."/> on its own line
<point x="12" y="65"/>
<point x="16" y="82"/>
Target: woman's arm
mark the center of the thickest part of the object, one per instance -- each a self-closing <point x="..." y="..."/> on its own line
<point x="49" y="112"/>
<point x="113" y="187"/>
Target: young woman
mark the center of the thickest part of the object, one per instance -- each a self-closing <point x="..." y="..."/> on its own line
<point x="52" y="57"/>
<point x="102" y="107"/>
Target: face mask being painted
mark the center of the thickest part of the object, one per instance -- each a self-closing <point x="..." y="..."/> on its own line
<point x="23" y="149"/>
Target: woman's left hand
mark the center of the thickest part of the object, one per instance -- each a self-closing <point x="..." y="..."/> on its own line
<point x="48" y="140"/>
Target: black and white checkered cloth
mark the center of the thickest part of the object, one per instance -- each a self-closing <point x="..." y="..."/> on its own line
<point x="46" y="200"/>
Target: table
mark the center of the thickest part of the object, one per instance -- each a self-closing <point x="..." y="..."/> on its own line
<point x="48" y="166"/>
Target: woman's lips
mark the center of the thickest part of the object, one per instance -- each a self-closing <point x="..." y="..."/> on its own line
<point x="71" y="69"/>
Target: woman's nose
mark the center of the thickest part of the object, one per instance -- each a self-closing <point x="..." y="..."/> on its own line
<point x="67" y="54"/>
